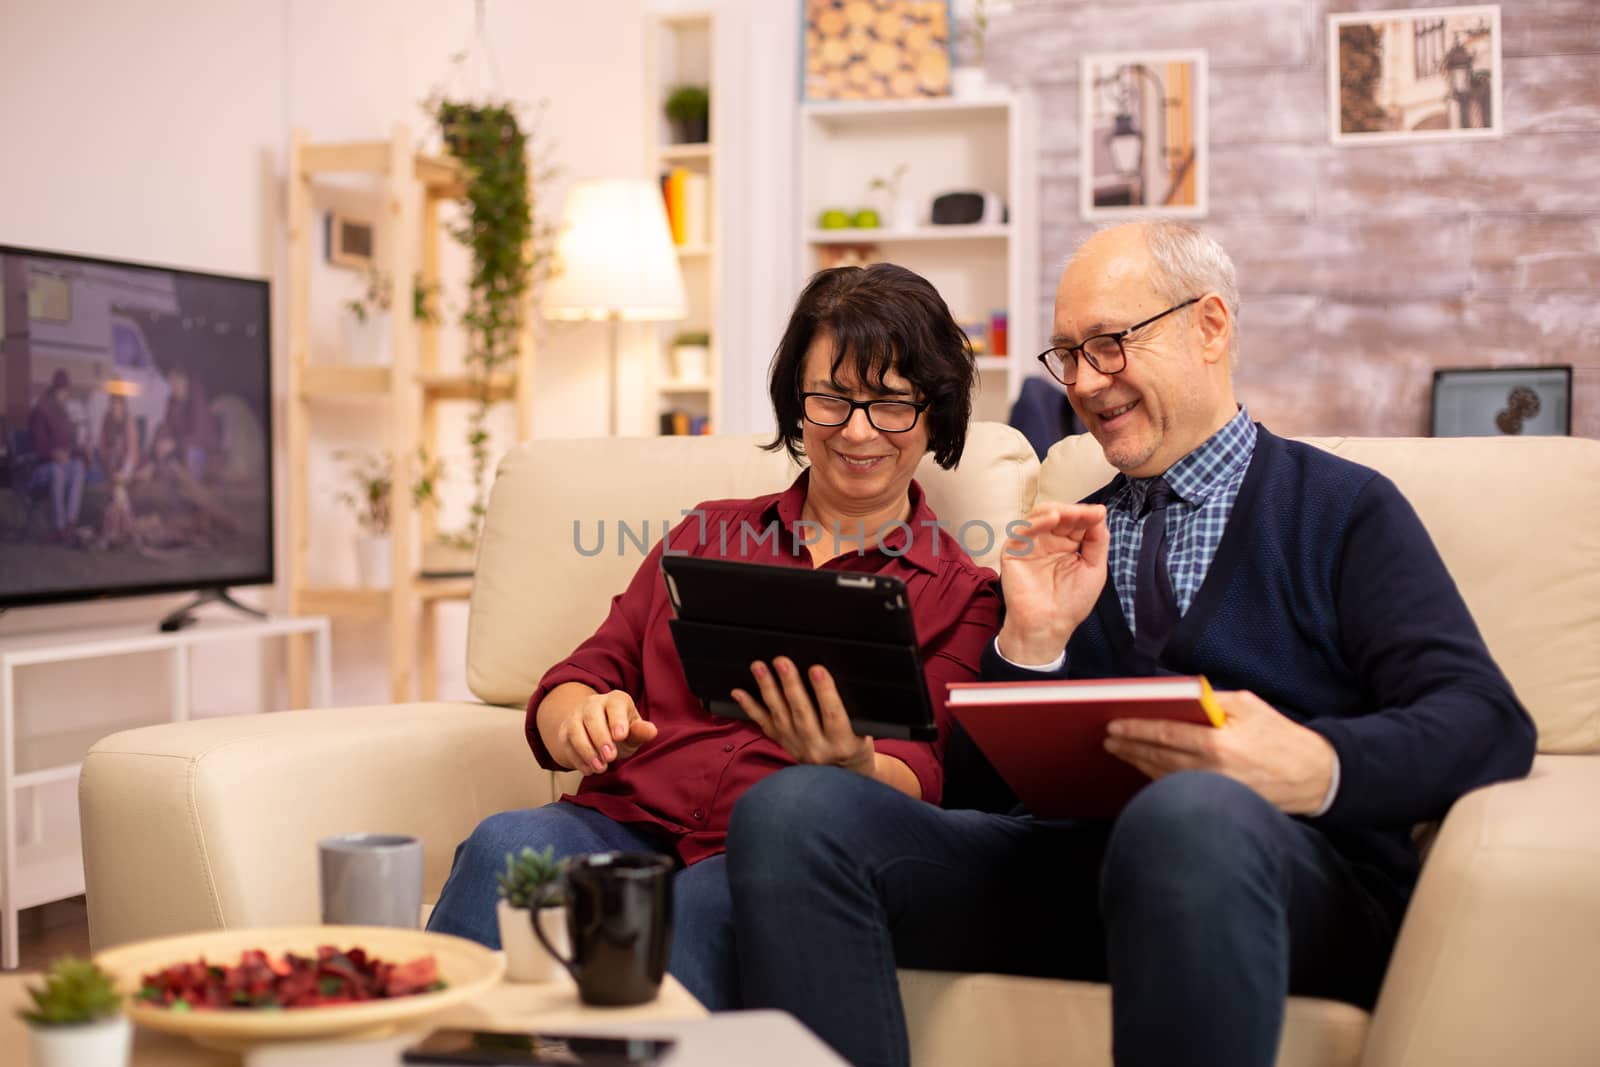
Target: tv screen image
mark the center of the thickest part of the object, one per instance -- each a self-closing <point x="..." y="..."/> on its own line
<point x="136" y="452"/>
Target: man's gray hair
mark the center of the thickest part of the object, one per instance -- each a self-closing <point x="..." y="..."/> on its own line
<point x="1189" y="263"/>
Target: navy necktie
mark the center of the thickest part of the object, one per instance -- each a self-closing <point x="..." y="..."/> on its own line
<point x="1155" y="607"/>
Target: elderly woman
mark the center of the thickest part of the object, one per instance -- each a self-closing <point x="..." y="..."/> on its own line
<point x="871" y="374"/>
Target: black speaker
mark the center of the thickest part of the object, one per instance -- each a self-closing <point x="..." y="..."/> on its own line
<point x="967" y="207"/>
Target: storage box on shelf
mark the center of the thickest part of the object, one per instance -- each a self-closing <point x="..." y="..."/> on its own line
<point x="411" y="384"/>
<point x="890" y="159"/>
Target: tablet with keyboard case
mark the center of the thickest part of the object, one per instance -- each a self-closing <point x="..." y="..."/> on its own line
<point x="857" y="625"/>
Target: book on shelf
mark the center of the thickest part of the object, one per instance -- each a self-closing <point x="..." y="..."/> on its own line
<point x="1047" y="738"/>
<point x="681" y="424"/>
<point x="672" y="189"/>
<point x="696" y="210"/>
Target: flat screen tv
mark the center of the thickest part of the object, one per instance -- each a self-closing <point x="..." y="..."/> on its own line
<point x="135" y="429"/>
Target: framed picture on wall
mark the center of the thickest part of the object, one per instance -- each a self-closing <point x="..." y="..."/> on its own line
<point x="1143" y="128"/>
<point x="1421" y="74"/>
<point x="350" y="241"/>
<point x="1515" y="401"/>
<point x="876" y="49"/>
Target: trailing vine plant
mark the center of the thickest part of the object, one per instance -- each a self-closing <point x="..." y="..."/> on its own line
<point x="511" y="253"/>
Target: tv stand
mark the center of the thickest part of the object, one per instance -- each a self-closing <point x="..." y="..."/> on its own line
<point x="39" y="864"/>
<point x="183" y="616"/>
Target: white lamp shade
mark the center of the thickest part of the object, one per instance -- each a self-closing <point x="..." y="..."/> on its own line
<point x="615" y="255"/>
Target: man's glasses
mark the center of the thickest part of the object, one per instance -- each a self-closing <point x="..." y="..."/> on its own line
<point x="1104" y="351"/>
<point x="886" y="416"/>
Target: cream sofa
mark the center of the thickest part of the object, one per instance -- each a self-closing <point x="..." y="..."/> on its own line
<point x="212" y="823"/>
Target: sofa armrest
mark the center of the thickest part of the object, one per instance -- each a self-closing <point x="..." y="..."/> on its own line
<point x="213" y="824"/>
<point x="1497" y="958"/>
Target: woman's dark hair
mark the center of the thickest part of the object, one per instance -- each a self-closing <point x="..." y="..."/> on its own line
<point x="881" y="318"/>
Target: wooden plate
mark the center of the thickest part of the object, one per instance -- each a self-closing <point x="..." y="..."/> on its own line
<point x="467" y="968"/>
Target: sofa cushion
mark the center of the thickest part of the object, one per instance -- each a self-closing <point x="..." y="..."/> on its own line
<point x="960" y="1019"/>
<point x="1517" y="521"/>
<point x="551" y="498"/>
<point x="994" y="484"/>
<point x="213" y="824"/>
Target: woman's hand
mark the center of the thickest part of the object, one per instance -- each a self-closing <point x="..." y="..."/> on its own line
<point x="812" y="731"/>
<point x="598" y="730"/>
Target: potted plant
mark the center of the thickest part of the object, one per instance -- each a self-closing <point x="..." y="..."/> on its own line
<point x="967" y="80"/>
<point x="76" y="1019"/>
<point x="511" y="254"/>
<point x="365" y="324"/>
<point x="691" y="356"/>
<point x="370" y="479"/>
<point x="902" y="213"/>
<point x="688" y="108"/>
<point x="530" y="891"/>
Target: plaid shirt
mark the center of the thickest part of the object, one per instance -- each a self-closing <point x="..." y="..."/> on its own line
<point x="1205" y="483"/>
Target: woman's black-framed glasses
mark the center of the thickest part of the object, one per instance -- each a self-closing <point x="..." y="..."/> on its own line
<point x="1104" y="351"/>
<point x="886" y="416"/>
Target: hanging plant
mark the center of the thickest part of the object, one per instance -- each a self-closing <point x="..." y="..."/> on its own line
<point x="511" y="254"/>
<point x="496" y="229"/>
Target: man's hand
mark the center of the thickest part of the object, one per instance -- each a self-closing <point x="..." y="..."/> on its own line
<point x="601" y="729"/>
<point x="1052" y="573"/>
<point x="811" y="731"/>
<point x="1288" y="764"/>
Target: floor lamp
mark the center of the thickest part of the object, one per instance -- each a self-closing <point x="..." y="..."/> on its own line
<point x="616" y="261"/>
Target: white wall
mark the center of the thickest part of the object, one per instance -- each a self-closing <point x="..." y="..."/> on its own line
<point x="157" y="132"/>
<point x="759" y="76"/>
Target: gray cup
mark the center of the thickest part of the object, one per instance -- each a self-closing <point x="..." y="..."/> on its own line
<point x="371" y="880"/>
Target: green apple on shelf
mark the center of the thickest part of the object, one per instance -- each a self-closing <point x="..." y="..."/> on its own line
<point x="834" y="219"/>
<point x="866" y="219"/>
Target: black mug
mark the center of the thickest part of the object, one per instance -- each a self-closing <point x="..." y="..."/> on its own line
<point x="619" y="919"/>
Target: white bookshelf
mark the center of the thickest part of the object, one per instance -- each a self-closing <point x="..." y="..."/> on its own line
<point x="947" y="145"/>
<point x="680" y="49"/>
<point x="882" y="235"/>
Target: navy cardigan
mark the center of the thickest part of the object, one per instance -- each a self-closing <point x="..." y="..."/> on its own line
<point x="1328" y="600"/>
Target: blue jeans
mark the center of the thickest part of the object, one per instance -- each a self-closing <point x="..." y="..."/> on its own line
<point x="702" y="955"/>
<point x="1202" y="905"/>
<point x="65" y="479"/>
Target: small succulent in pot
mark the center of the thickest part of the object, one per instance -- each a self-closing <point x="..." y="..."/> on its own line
<point x="76" y="1018"/>
<point x="532" y="879"/>
<point x="74" y="991"/>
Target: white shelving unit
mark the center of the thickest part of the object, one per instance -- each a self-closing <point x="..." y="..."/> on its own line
<point x="679" y="50"/>
<point x="40" y="867"/>
<point x="946" y="145"/>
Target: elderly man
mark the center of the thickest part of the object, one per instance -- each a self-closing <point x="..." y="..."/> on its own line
<point x="1268" y="857"/>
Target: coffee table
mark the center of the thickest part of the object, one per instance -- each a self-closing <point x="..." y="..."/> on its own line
<point x="727" y="1039"/>
<point x="550" y="1005"/>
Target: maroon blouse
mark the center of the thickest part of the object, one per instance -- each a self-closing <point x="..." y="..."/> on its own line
<point x="686" y="781"/>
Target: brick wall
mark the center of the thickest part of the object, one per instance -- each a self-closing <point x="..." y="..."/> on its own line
<point x="1362" y="268"/>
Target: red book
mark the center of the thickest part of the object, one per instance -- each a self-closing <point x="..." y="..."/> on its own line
<point x="1047" y="739"/>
